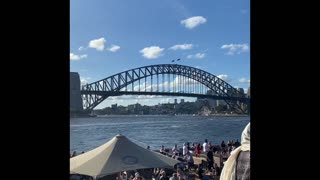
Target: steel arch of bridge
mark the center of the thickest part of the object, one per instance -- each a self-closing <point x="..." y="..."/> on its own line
<point x="96" y="92"/>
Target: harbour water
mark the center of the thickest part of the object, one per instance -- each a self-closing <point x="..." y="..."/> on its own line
<point x="154" y="131"/>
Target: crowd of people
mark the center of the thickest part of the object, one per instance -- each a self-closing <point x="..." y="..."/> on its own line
<point x="234" y="154"/>
<point x="234" y="157"/>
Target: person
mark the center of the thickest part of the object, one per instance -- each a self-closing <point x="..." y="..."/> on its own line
<point x="210" y="145"/>
<point x="74" y="154"/>
<point x="175" y="151"/>
<point x="223" y="146"/>
<point x="193" y="147"/>
<point x="210" y="159"/>
<point x="238" y="164"/>
<point x="198" y="149"/>
<point x="189" y="160"/>
<point x="237" y="143"/>
<point x="205" y="146"/>
<point x="162" y="174"/>
<point x="181" y="175"/>
<point x="217" y="170"/>
<point x="174" y="177"/>
<point x="121" y="176"/>
<point x="162" y="150"/>
<point x="138" y="177"/>
<point x="156" y="173"/>
<point x="184" y="149"/>
<point x="199" y="171"/>
<point x="188" y="146"/>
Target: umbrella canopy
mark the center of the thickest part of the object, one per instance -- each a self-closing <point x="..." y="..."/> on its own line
<point x="119" y="154"/>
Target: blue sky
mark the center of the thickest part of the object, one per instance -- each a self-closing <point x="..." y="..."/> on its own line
<point x="111" y="36"/>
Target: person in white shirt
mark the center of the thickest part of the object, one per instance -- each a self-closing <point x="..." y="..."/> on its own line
<point x="175" y="150"/>
<point x="205" y="146"/>
<point x="184" y="149"/>
<point x="189" y="160"/>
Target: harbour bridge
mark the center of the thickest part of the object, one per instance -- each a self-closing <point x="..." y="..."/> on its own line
<point x="165" y="80"/>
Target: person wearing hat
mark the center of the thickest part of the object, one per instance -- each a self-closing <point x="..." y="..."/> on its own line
<point x="237" y="165"/>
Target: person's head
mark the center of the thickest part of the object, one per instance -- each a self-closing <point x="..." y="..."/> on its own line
<point x="215" y="165"/>
<point x="74" y="153"/>
<point x="137" y="175"/>
<point x="163" y="172"/>
<point x="148" y="147"/>
<point x="174" y="177"/>
<point x="205" y="140"/>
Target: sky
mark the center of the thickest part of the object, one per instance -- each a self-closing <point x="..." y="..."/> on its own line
<point x="111" y="36"/>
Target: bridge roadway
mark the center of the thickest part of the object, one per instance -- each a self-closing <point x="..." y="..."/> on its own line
<point x="120" y="93"/>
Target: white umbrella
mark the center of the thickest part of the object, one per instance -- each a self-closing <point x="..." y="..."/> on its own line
<point x="119" y="154"/>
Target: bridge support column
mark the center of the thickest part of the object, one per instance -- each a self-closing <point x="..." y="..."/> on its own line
<point x="75" y="95"/>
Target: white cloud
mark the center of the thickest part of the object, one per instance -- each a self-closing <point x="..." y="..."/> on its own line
<point x="197" y="56"/>
<point x="84" y="80"/>
<point x="224" y="77"/>
<point x="97" y="44"/>
<point x="193" y="22"/>
<point x="114" y="48"/>
<point x="235" y="48"/>
<point x="81" y="48"/>
<point x="76" y="57"/>
<point x="244" y="80"/>
<point x="181" y="47"/>
<point x="187" y="81"/>
<point x="152" y="52"/>
<point x="147" y="87"/>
